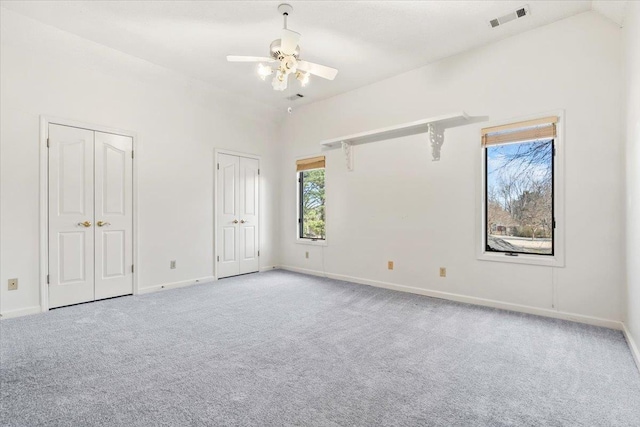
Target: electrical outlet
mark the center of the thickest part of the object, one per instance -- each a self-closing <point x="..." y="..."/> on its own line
<point x="443" y="272"/>
<point x="306" y="254"/>
<point x="390" y="265"/>
<point x="13" y="284"/>
<point x="173" y="264"/>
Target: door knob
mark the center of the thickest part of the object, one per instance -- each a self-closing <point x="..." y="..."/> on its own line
<point x="242" y="221"/>
<point x="235" y="221"/>
<point x="102" y="223"/>
<point x="86" y="224"/>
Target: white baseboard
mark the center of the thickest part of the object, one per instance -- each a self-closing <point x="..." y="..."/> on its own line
<point x="21" y="312"/>
<point x="175" y="285"/>
<point x="581" y="318"/>
<point x="632" y="345"/>
<point x="146" y="290"/>
<point x="183" y="283"/>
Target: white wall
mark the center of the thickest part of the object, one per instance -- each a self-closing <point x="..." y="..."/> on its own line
<point x="399" y="205"/>
<point x="178" y="122"/>
<point x="632" y="72"/>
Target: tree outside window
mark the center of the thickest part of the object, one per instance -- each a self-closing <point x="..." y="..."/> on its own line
<point x="312" y="204"/>
<point x="519" y="195"/>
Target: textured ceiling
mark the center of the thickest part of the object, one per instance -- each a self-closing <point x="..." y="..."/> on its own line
<point x="366" y="41"/>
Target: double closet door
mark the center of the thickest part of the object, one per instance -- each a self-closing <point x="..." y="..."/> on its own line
<point x="237" y="233"/>
<point x="90" y="215"/>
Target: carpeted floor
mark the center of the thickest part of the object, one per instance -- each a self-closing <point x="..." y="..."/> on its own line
<point x="281" y="348"/>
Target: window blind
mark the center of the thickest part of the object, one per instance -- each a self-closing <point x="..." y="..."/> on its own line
<point x="541" y="128"/>
<point x="310" y="163"/>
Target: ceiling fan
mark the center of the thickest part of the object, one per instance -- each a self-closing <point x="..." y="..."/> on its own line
<point x="285" y="52"/>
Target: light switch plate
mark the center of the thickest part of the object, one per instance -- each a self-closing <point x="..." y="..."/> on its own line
<point x="390" y="265"/>
<point x="13" y="284"/>
<point x="172" y="264"/>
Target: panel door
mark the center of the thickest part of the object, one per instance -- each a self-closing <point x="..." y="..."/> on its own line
<point x="228" y="176"/>
<point x="71" y="238"/>
<point x="249" y="232"/>
<point x="113" y="215"/>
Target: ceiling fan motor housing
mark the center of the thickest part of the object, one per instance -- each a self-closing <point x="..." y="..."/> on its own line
<point x="276" y="53"/>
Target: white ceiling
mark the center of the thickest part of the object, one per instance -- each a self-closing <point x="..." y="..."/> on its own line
<point x="366" y="40"/>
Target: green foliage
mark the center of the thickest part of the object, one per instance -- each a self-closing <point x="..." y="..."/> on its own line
<point x="313" y="200"/>
<point x="531" y="232"/>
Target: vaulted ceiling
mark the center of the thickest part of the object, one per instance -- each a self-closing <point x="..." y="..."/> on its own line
<point x="366" y="40"/>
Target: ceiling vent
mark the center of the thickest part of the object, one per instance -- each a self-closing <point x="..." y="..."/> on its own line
<point x="294" y="97"/>
<point x="520" y="13"/>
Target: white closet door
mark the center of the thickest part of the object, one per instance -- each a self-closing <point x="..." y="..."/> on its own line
<point x="249" y="187"/>
<point x="228" y="176"/>
<point x="71" y="238"/>
<point x="113" y="215"/>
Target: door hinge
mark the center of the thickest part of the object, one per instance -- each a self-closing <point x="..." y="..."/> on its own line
<point x="258" y="253"/>
<point x="554" y="223"/>
<point x="132" y="268"/>
<point x="218" y="258"/>
<point x="258" y="171"/>
<point x="218" y="166"/>
<point x="132" y="154"/>
<point x="554" y="150"/>
<point x="47" y="142"/>
<point x="48" y="282"/>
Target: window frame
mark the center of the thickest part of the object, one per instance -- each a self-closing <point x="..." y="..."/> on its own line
<point x="299" y="196"/>
<point x="553" y="202"/>
<point x="557" y="258"/>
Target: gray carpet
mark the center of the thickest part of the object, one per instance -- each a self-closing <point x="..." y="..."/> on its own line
<point x="281" y="348"/>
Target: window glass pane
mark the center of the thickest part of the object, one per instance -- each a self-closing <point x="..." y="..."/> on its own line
<point x="519" y="194"/>
<point x="312" y="204"/>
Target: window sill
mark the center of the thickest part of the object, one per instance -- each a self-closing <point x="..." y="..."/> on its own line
<point x="549" y="261"/>
<point x="311" y="242"/>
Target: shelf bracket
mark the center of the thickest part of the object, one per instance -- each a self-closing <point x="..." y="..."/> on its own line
<point x="436" y="137"/>
<point x="347" y="150"/>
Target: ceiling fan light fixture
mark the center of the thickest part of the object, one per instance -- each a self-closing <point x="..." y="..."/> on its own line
<point x="303" y="78"/>
<point x="286" y="52"/>
<point x="289" y="64"/>
<point x="279" y="81"/>
<point x="264" y="71"/>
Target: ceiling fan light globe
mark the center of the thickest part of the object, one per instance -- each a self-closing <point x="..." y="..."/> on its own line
<point x="279" y="83"/>
<point x="303" y="78"/>
<point x="264" y="71"/>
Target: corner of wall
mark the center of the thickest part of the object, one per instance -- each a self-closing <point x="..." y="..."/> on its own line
<point x="631" y="52"/>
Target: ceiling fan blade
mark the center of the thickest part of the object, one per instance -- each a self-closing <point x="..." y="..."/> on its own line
<point x="234" y="58"/>
<point x="318" y="70"/>
<point x="289" y="41"/>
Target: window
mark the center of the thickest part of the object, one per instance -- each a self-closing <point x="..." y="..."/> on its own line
<point x="519" y="207"/>
<point x="311" y="199"/>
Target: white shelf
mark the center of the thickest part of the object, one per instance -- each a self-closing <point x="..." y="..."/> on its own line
<point x="434" y="126"/>
<point x="391" y="132"/>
